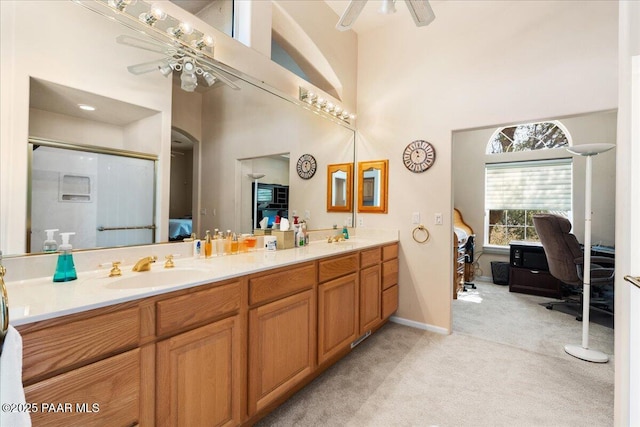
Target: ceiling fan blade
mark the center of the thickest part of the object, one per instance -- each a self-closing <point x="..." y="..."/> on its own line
<point x="421" y="12"/>
<point x="350" y="14"/>
<point x="146" y="67"/>
<point x="142" y="44"/>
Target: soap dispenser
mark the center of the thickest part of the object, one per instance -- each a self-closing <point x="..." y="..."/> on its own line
<point x="65" y="269"/>
<point x="50" y="245"/>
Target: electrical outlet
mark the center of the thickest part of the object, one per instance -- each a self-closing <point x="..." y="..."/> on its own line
<point x="360" y="222"/>
<point x="415" y="218"/>
<point x="214" y="212"/>
<point x="307" y="215"/>
<point x="349" y="221"/>
<point x="203" y="211"/>
<point x="438" y="220"/>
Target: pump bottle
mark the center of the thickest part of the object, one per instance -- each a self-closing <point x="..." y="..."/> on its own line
<point x="50" y="244"/>
<point x="65" y="268"/>
<point x="207" y="244"/>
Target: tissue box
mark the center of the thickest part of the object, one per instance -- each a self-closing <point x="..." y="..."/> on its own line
<point x="285" y="239"/>
<point x="262" y="232"/>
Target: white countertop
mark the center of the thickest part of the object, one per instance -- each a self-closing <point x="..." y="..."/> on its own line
<point x="40" y="299"/>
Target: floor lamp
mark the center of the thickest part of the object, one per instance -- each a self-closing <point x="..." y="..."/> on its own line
<point x="255" y="177"/>
<point x="583" y="351"/>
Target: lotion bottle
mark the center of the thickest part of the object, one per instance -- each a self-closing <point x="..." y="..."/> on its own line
<point x="65" y="268"/>
<point x="220" y="244"/>
<point x="207" y="244"/>
<point x="50" y="245"/>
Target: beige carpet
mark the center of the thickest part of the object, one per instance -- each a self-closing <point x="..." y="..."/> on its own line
<point x="490" y="373"/>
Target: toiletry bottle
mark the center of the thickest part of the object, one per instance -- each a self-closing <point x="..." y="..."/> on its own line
<point x="234" y="243"/>
<point x="220" y="244"/>
<point x="227" y="243"/>
<point x="197" y="248"/>
<point x="306" y="234"/>
<point x="300" y="237"/>
<point x="345" y="232"/>
<point x="207" y="244"/>
<point x="214" y="243"/>
<point x="65" y="268"/>
<point x="50" y="244"/>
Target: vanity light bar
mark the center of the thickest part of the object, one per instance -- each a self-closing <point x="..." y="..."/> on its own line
<point x="324" y="105"/>
<point x="157" y="20"/>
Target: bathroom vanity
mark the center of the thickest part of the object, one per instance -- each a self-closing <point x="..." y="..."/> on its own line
<point x="246" y="333"/>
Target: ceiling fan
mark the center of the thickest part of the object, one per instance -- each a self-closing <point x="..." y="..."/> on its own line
<point x="420" y="10"/>
<point x="188" y="62"/>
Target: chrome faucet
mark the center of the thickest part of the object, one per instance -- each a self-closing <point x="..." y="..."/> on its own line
<point x="144" y="264"/>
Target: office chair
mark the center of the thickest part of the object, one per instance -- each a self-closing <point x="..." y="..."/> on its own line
<point x="565" y="258"/>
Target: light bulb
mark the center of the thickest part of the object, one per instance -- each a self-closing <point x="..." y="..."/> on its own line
<point x="121" y="5"/>
<point x="205" y="41"/>
<point x="184" y="29"/>
<point x="155" y="14"/>
<point x="387" y="7"/>
<point x="209" y="78"/>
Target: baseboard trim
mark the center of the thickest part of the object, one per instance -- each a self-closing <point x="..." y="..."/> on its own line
<point x="419" y="325"/>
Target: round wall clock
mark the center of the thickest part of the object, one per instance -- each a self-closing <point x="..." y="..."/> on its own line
<point x="419" y="156"/>
<point x="306" y="166"/>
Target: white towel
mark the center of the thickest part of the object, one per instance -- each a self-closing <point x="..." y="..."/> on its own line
<point x="12" y="411"/>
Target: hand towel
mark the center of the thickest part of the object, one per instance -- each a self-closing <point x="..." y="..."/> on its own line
<point x="12" y="410"/>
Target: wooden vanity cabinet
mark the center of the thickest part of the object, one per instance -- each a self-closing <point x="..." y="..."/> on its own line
<point x="199" y="372"/>
<point x="221" y="354"/>
<point x="85" y="369"/>
<point x="338" y="306"/>
<point x="390" y="268"/>
<point x="282" y="333"/>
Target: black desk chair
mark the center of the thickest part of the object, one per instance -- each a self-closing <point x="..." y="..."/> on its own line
<point x="565" y="257"/>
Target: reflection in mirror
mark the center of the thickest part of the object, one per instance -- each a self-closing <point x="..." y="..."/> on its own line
<point x="103" y="196"/>
<point x="271" y="174"/>
<point x="340" y="187"/>
<point x="228" y="125"/>
<point x="373" y="186"/>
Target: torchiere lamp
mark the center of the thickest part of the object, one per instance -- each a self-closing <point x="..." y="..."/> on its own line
<point x="583" y="351"/>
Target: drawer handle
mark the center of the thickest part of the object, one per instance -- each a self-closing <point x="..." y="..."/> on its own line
<point x="534" y="271"/>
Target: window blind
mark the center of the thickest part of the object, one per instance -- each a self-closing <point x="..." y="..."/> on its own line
<point x="536" y="185"/>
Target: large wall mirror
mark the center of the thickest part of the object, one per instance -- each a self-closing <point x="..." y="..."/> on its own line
<point x="373" y="186"/>
<point x="340" y="187"/>
<point x="231" y="130"/>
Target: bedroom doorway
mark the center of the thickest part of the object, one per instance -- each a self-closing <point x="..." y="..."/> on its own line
<point x="183" y="196"/>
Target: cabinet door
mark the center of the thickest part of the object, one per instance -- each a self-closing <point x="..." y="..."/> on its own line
<point x="198" y="376"/>
<point x="370" y="311"/>
<point x="337" y="315"/>
<point x="281" y="347"/>
<point x="102" y="393"/>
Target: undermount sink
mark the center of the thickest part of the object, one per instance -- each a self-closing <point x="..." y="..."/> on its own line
<point x="156" y="278"/>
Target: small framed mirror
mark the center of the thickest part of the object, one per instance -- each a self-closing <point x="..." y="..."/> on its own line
<point x="373" y="186"/>
<point x="340" y="187"/>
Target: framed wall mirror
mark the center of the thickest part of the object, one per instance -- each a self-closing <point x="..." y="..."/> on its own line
<point x="373" y="186"/>
<point x="340" y="187"/>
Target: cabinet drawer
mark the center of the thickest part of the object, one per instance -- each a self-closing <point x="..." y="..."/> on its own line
<point x="280" y="284"/>
<point x="369" y="257"/>
<point x="389" y="252"/>
<point x="534" y="282"/>
<point x="197" y="307"/>
<point x="112" y="384"/>
<point x="54" y="349"/>
<point x="389" y="273"/>
<point x="336" y="267"/>
<point x="389" y="301"/>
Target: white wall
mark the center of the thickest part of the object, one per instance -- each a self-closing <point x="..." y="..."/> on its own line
<point x="468" y="179"/>
<point x="479" y="63"/>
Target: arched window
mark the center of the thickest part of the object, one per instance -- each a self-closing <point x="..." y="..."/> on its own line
<point x="517" y="190"/>
<point x="527" y="137"/>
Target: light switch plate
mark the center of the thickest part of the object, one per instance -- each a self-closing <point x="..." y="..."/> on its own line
<point x="415" y="218"/>
<point x="438" y="219"/>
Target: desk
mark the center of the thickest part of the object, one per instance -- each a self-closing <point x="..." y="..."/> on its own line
<point x="529" y="271"/>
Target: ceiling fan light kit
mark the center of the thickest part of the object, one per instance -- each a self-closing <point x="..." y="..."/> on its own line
<point x="420" y="10"/>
